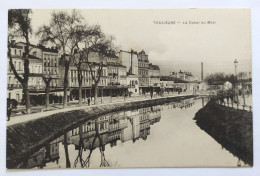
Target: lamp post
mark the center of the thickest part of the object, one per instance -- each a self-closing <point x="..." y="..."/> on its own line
<point x="236" y="87"/>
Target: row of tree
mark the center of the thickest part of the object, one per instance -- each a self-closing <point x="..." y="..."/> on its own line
<point x="73" y="38"/>
<point x="217" y="77"/>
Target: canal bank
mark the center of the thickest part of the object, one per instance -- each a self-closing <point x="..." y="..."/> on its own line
<point x="46" y="128"/>
<point x="232" y="128"/>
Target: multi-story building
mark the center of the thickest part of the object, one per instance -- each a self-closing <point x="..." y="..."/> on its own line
<point x="143" y="65"/>
<point x="35" y="81"/>
<point x="186" y="76"/>
<point x="132" y="82"/>
<point x="154" y="75"/>
<point x="122" y="75"/>
<point x="87" y="80"/>
<point x="116" y="71"/>
<point x="130" y="60"/>
<point x="14" y="88"/>
<point x="185" y="81"/>
<point x="51" y="66"/>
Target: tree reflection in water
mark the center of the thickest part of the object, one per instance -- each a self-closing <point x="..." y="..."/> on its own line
<point x="66" y="151"/>
<point x="94" y="134"/>
<point x="86" y="162"/>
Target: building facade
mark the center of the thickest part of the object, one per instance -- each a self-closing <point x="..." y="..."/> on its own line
<point x="143" y="65"/>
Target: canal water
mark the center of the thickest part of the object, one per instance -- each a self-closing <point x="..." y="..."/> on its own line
<point x="158" y="136"/>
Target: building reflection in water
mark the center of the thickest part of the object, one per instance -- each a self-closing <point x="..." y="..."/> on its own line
<point x="106" y="130"/>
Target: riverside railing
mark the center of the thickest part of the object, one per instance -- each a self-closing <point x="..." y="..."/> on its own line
<point x="235" y="105"/>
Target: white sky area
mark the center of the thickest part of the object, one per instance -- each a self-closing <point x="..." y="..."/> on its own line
<point x="177" y="46"/>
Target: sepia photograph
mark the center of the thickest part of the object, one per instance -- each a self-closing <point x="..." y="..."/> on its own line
<point x="128" y="88"/>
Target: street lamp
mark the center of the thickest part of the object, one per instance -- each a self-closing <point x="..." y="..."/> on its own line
<point x="236" y="63"/>
<point x="236" y="90"/>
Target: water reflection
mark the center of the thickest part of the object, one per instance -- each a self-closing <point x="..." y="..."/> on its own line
<point x="99" y="142"/>
<point x="96" y="134"/>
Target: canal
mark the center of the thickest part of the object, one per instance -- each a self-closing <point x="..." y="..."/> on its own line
<point x="158" y="136"/>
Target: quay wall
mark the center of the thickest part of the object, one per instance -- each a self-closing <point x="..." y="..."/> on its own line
<point x="23" y="139"/>
<point x="232" y="128"/>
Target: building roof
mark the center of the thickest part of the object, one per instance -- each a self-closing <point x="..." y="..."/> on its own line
<point x="115" y="64"/>
<point x="132" y="51"/>
<point x="169" y="78"/>
<point x="34" y="58"/>
<point x="32" y="45"/>
<point x="45" y="49"/>
<point x="153" y="67"/>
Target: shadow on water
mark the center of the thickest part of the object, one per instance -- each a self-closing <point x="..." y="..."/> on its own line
<point x="231" y="128"/>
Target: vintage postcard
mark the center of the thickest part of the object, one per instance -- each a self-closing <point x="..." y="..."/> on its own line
<point x="129" y="88"/>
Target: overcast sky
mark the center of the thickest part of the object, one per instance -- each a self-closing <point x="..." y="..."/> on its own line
<point x="176" y="46"/>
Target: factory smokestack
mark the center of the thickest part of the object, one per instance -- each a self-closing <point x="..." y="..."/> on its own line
<point x="201" y="71"/>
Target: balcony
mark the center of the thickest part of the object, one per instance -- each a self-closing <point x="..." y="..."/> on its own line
<point x="113" y="84"/>
<point x="14" y="86"/>
<point x="36" y="87"/>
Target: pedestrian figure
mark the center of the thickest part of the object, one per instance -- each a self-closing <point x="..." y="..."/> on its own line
<point x="227" y="99"/>
<point x="151" y="93"/>
<point x="88" y="101"/>
<point x="60" y="99"/>
<point x="9" y="111"/>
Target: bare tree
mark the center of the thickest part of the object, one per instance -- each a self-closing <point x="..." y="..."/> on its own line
<point x="103" y="46"/>
<point x="60" y="32"/>
<point x="242" y="75"/>
<point x="19" y="25"/>
<point x="83" y="36"/>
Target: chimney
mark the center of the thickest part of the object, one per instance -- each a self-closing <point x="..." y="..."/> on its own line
<point x="201" y="71"/>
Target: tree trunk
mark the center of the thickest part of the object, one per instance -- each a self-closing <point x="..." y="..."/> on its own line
<point x="65" y="96"/>
<point x="27" y="98"/>
<point x="95" y="94"/>
<point x="66" y="151"/>
<point x="101" y="95"/>
<point x="80" y="94"/>
<point x="80" y="76"/>
<point x="47" y="94"/>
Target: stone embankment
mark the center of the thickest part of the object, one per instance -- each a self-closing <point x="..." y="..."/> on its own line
<point x="232" y="128"/>
<point x="27" y="137"/>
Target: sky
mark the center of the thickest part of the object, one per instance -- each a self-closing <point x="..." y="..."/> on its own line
<point x="181" y="45"/>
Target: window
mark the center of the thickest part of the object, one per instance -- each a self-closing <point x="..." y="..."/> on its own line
<point x="20" y="66"/>
<point x="15" y="64"/>
<point x="34" y="53"/>
<point x="20" y="52"/>
<point x="17" y="97"/>
<point x="15" y="51"/>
